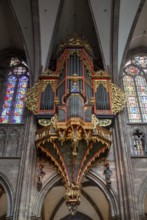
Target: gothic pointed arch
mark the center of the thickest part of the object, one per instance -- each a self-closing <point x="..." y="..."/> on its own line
<point x="94" y="179"/>
<point x="48" y="185"/>
<point x="135" y="86"/>
<point x="110" y="194"/>
<point x="4" y="181"/>
<point x="16" y="77"/>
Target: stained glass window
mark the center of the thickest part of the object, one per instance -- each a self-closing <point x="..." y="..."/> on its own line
<point x="17" y="84"/>
<point x="138" y="148"/>
<point x="135" y="86"/>
<point x="140" y="61"/>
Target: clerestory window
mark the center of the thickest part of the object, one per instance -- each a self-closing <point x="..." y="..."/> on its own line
<point x="135" y="86"/>
<point x="17" y="84"/>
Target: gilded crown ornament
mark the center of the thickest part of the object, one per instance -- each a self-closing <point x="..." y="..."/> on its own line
<point x="74" y="107"/>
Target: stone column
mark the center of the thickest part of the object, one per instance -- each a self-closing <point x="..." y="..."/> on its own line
<point x="25" y="179"/>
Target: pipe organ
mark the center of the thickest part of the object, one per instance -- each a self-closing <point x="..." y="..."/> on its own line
<point x="73" y="107"/>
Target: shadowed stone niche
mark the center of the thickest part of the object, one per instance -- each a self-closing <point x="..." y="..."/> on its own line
<point x="11" y="137"/>
<point x="2" y="141"/>
<point x="13" y="142"/>
<point x="77" y="216"/>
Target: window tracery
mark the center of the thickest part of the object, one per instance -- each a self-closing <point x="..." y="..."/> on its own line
<point x="135" y="86"/>
<point x="17" y="84"/>
<point x="138" y="143"/>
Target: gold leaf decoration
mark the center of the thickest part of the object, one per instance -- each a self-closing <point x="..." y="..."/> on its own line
<point x="32" y="97"/>
<point x="75" y="41"/>
<point x="47" y="72"/>
<point x="94" y="120"/>
<point x="44" y="122"/>
<point x="101" y="74"/>
<point x="48" y="82"/>
<point x="118" y="99"/>
<point x="78" y="52"/>
<point x="88" y="67"/>
<point x="103" y="82"/>
<point x="104" y="122"/>
<point x="44" y="84"/>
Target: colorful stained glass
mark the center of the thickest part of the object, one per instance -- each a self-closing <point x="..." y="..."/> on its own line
<point x="20" y="70"/>
<point x="142" y="95"/>
<point x="16" y="88"/>
<point x="132" y="102"/>
<point x="8" y="99"/>
<point x="16" y="119"/>
<point x="19" y="103"/>
<point x="140" y="61"/>
<point x="136" y="89"/>
<point x="132" y="70"/>
<point x="4" y="119"/>
<point x="144" y="117"/>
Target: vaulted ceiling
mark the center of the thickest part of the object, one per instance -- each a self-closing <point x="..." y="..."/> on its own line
<point x="93" y="205"/>
<point x="37" y="27"/>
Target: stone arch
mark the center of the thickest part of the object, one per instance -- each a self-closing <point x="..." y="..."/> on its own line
<point x="49" y="184"/>
<point x="9" y="192"/>
<point x="141" y="196"/>
<point x="110" y="193"/>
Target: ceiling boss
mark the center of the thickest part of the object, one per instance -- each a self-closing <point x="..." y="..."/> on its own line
<point x="74" y="106"/>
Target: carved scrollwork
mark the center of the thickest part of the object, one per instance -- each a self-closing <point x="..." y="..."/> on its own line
<point x="78" y="52"/>
<point x="104" y="122"/>
<point x="94" y="120"/>
<point x="101" y="74"/>
<point x="75" y="41"/>
<point x="118" y="99"/>
<point x="48" y="82"/>
<point x="44" y="122"/>
<point x="32" y="97"/>
<point x="103" y="82"/>
<point x="100" y="122"/>
<point x="54" y="120"/>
